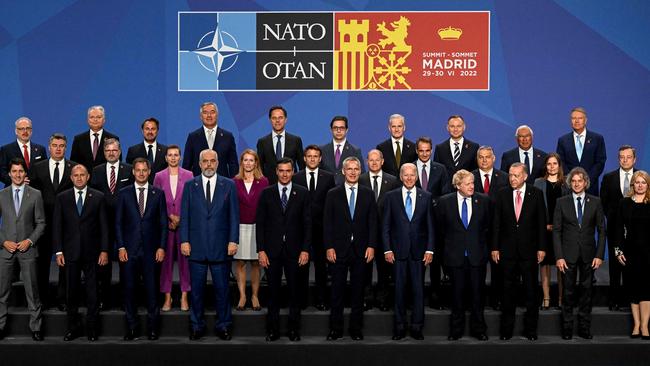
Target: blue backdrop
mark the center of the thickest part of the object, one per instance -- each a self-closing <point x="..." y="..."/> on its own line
<point x="59" y="57"/>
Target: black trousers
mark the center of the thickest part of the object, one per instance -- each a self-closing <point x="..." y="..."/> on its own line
<point x="43" y="263"/>
<point x="511" y="270"/>
<point x="73" y="272"/>
<point x="288" y="266"/>
<point x="616" y="276"/>
<point x="384" y="279"/>
<point x="319" y="259"/>
<point x="461" y="278"/>
<point x="339" y="270"/>
<point x="586" y="275"/>
<point x="132" y="270"/>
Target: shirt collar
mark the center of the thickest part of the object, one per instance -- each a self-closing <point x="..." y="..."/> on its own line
<point x="205" y="130"/>
<point x="342" y="143"/>
<point x="100" y="132"/>
<point x="484" y="172"/>
<point x="581" y="195"/>
<point x="15" y="187"/>
<point x="355" y="185"/>
<point x="583" y="134"/>
<point x="145" y="186"/>
<point x="28" y="143"/>
<point x="529" y="151"/>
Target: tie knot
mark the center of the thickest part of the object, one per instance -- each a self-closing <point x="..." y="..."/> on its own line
<point x="150" y="147"/>
<point x="95" y="134"/>
<point x="141" y="189"/>
<point x="56" y="164"/>
<point x="338" y="146"/>
<point x="312" y="174"/>
<point x="518" y="193"/>
<point x="80" y="193"/>
<point x="456" y="143"/>
<point x="579" y="198"/>
<point x="24" y="146"/>
<point x="408" y="193"/>
<point x="397" y="143"/>
<point x="526" y="153"/>
<point x="375" y="177"/>
<point x="487" y="175"/>
<point x="17" y="190"/>
<point x="352" y="189"/>
<point x="278" y="136"/>
<point x="284" y="189"/>
<point x="112" y="166"/>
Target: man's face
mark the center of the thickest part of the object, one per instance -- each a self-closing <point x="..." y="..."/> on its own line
<point x="112" y="153"/>
<point x="278" y="120"/>
<point x="96" y="119"/>
<point x="456" y="128"/>
<point x="424" y="151"/>
<point x="312" y="159"/>
<point x="209" y="116"/>
<point x="352" y="171"/>
<point x="57" y="149"/>
<point x="209" y="163"/>
<point x="626" y="159"/>
<point x="524" y="138"/>
<point x="17" y="174"/>
<point x="485" y="160"/>
<point x="141" y="173"/>
<point x="173" y="157"/>
<point x="408" y="177"/>
<point x="396" y="128"/>
<point x="79" y="177"/>
<point x="578" y="121"/>
<point x="24" y="131"/>
<point x="284" y="173"/>
<point x="374" y="162"/>
<point x="517" y="177"/>
<point x="150" y="131"/>
<point x="466" y="186"/>
<point x="339" y="131"/>
<point x="578" y="183"/>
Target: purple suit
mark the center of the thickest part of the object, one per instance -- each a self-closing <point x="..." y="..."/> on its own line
<point x="248" y="200"/>
<point x="162" y="181"/>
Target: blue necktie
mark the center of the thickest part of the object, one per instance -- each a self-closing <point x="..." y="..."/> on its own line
<point x="409" y="205"/>
<point x="579" y="210"/>
<point x="464" y="214"/>
<point x="579" y="147"/>
<point x="150" y="154"/>
<point x="80" y="203"/>
<point x="278" y="148"/>
<point x="351" y="202"/>
<point x="527" y="162"/>
<point x="284" y="198"/>
<point x="17" y="201"/>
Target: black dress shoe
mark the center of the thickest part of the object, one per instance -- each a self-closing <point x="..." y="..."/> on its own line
<point x="367" y="305"/>
<point x="585" y="335"/>
<point x="645" y="338"/>
<point x="130" y="335"/>
<point x="400" y="334"/>
<point x="224" y="334"/>
<point x="152" y="336"/>
<point x="614" y="307"/>
<point x="505" y="337"/>
<point x="293" y="336"/>
<point x="334" y="335"/>
<point x="496" y="306"/>
<point x="567" y="336"/>
<point x="417" y="335"/>
<point x="481" y="336"/>
<point x="101" y="306"/>
<point x="70" y="335"/>
<point x="195" y="335"/>
<point x="92" y="336"/>
<point x="356" y="335"/>
<point x="635" y="336"/>
<point x="272" y="336"/>
<point x="453" y="337"/>
<point x="383" y="307"/>
<point x="61" y="307"/>
<point x="531" y="337"/>
<point x="2" y="334"/>
<point x="37" y="335"/>
<point x="321" y="307"/>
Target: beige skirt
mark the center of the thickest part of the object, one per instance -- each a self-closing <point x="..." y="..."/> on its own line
<point x="247" y="246"/>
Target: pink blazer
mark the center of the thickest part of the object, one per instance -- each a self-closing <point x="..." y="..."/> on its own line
<point x="161" y="181"/>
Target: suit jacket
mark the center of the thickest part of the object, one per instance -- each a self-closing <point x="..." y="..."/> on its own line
<point x="29" y="223"/>
<point x="611" y="196"/>
<point x="512" y="156"/>
<point x="289" y="229"/>
<point x="328" y="161"/>
<point x="99" y="181"/>
<point x="439" y="182"/>
<point x="161" y="181"/>
<point x="443" y="155"/>
<point x="324" y="183"/>
<point x="266" y="151"/>
<point x="475" y="240"/>
<point x="39" y="178"/>
<point x="519" y="239"/>
<point x="572" y="241"/>
<point x="82" y="151"/>
<point x="37" y="153"/>
<point x="209" y="229"/>
<point x="390" y="163"/>
<point x="350" y="236"/>
<point x="224" y="145"/>
<point x="498" y="180"/>
<point x="593" y="156"/>
<point x="139" y="151"/>
<point x="141" y="235"/>
<point x="408" y="239"/>
<point x="80" y="237"/>
<point x="387" y="184"/>
<point x="540" y="183"/>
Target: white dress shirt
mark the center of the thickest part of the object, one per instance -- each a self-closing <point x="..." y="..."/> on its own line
<point x="283" y="140"/>
<point x="280" y="186"/>
<point x="307" y="172"/>
<point x="522" y="157"/>
<point x="108" y="172"/>
<point x="146" y="191"/>
<point x="401" y="144"/>
<point x="99" y="139"/>
<point x="452" y="145"/>
<point x="460" y="199"/>
<point x="213" y="184"/>
<point x="22" y="149"/>
<point x="482" y="173"/>
<point x="575" y="201"/>
<point x="514" y="196"/>
<point x="52" y="166"/>
<point x="427" y="164"/>
<point x="621" y="178"/>
<point x="154" y="145"/>
<point x="348" y="192"/>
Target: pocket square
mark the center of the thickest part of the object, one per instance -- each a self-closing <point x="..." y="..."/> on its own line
<point x="124" y="180"/>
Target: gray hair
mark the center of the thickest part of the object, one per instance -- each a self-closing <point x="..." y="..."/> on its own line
<point x="485" y="147"/>
<point x="58" y="136"/>
<point x="397" y="116"/>
<point x="112" y="141"/>
<point x="205" y="151"/>
<point x="522" y="127"/>
<point x="578" y="171"/>
<point x="408" y="165"/>
<point x="97" y="108"/>
<point x="205" y="104"/>
<point x="381" y="155"/>
<point x="350" y="159"/>
<point x="23" y="118"/>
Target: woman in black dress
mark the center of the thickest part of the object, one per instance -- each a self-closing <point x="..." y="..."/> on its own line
<point x="633" y="250"/>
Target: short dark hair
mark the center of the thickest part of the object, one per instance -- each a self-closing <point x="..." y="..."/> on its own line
<point x="58" y="136"/>
<point x="150" y="119"/>
<point x="339" y="118"/>
<point x="18" y="161"/>
<point x="278" y="107"/>
<point x="286" y="161"/>
<point x="174" y="146"/>
<point x="456" y="116"/>
<point x="143" y="161"/>
<point x="425" y="140"/>
<point x="313" y="147"/>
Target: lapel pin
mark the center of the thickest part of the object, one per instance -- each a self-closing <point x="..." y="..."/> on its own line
<point x="476" y="201"/>
<point x="589" y="141"/>
<point x="294" y="193"/>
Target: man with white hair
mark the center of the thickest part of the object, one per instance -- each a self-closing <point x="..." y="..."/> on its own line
<point x="88" y="147"/>
<point x="525" y="153"/>
<point x="397" y="150"/>
<point x="23" y="148"/>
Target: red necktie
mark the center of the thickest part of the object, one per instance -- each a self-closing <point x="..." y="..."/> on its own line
<point x="26" y="155"/>
<point x="486" y="184"/>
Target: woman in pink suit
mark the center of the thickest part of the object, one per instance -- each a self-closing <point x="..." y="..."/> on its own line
<point x="250" y="183"/>
<point x="171" y="181"/>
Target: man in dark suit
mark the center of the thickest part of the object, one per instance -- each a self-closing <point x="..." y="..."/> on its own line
<point x="575" y="221"/>
<point x="615" y="186"/>
<point x="23" y="147"/>
<point x="350" y="222"/>
<point x="209" y="233"/>
<point x="457" y="152"/>
<point x="464" y="219"/>
<point x="51" y="177"/>
<point x="318" y="182"/>
<point x="380" y="183"/>
<point x="80" y="241"/>
<point x="283" y="235"/>
<point x="397" y="150"/>
<point x="519" y="245"/>
<point x="109" y="178"/>
<point x="210" y="136"/>
<point x="339" y="149"/>
<point x="141" y="236"/>
<point x="279" y="144"/>
<point x="408" y="237"/>
<point x="582" y="148"/>
<point x="525" y="153"/>
<point x="87" y="147"/>
<point x="150" y="149"/>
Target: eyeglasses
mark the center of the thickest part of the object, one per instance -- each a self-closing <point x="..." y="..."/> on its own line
<point x="23" y="129"/>
<point x="339" y="128"/>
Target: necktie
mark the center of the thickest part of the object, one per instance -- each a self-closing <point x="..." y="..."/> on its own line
<point x="518" y="205"/>
<point x="17" y="201"/>
<point x="95" y="145"/>
<point x="141" y="201"/>
<point x="208" y="194"/>
<point x="351" y="203"/>
<point x="111" y="182"/>
<point x="80" y="202"/>
<point x="278" y="148"/>
<point x="579" y="147"/>
<point x="375" y="186"/>
<point x="626" y="185"/>
<point x="425" y="178"/>
<point x="398" y="155"/>
<point x="312" y="182"/>
<point x="409" y="205"/>
<point x="26" y="155"/>
<point x="56" y="177"/>
<point x="464" y="214"/>
<point x="284" y="199"/>
<point x="210" y="138"/>
<point x="579" y="210"/>
<point x="527" y="162"/>
<point x="337" y="156"/>
<point x="456" y="153"/>
<point x="486" y="184"/>
<point x="150" y="154"/>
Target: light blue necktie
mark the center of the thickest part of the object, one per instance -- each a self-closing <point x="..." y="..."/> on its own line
<point x="351" y="203"/>
<point x="17" y="201"/>
<point x="579" y="147"/>
<point x="579" y="210"/>
<point x="409" y="205"/>
<point x="80" y="203"/>
<point x="464" y="214"/>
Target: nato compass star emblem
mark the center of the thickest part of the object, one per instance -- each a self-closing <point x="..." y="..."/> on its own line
<point x="217" y="55"/>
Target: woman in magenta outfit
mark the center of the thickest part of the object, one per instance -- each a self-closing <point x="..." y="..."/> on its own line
<point x="171" y="181"/>
<point x="250" y="183"/>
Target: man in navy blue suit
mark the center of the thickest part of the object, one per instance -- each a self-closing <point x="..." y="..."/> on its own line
<point x="23" y="148"/>
<point x="141" y="236"/>
<point x="525" y="153"/>
<point x="582" y="148"/>
<point x="408" y="245"/>
<point x="279" y="144"/>
<point x="457" y="152"/>
<point x="209" y="233"/>
<point x="338" y="149"/>
<point x="210" y="136"/>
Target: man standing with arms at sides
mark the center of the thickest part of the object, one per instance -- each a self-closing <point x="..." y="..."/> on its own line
<point x="23" y="222"/>
<point x="283" y="230"/>
<point x="22" y="147"/>
<point x="141" y="237"/>
<point x="339" y="149"/>
<point x="397" y="150"/>
<point x="582" y="148"/>
<point x="518" y="245"/>
<point x="150" y="149"/>
<point x="350" y="222"/>
<point x="380" y="183"/>
<point x="80" y="241"/>
<point x="575" y="221"/>
<point x="87" y="146"/>
<point x="457" y="152"/>
<point x="210" y="136"/>
<point x="279" y="144"/>
<point x="209" y="234"/>
<point x="525" y="153"/>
